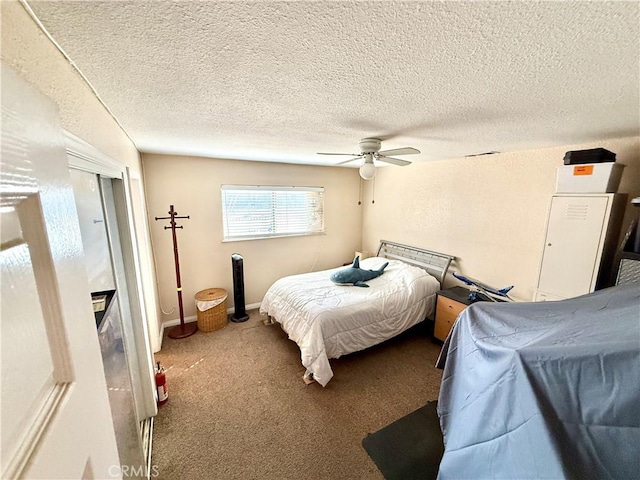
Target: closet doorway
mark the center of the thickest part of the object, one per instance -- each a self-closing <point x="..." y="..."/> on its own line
<point x="101" y="201"/>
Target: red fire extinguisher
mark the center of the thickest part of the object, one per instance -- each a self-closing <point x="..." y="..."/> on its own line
<point x="161" y="385"/>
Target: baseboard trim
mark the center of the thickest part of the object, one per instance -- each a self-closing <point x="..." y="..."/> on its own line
<point x="251" y="306"/>
<point x="176" y="321"/>
<point x="193" y="318"/>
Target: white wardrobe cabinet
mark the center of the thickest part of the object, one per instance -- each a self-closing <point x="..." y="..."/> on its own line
<point x="579" y="244"/>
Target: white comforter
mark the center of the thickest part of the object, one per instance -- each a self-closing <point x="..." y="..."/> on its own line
<point x="328" y="320"/>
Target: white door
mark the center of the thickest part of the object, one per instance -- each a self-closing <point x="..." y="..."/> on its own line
<point x="573" y="244"/>
<point x="55" y="414"/>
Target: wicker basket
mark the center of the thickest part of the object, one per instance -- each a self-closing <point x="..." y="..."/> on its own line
<point x="215" y="317"/>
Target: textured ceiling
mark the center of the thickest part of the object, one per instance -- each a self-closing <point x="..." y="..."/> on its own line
<point x="280" y="81"/>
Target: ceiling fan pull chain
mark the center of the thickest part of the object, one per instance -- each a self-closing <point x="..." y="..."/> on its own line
<point x="360" y="190"/>
<point x="373" y="190"/>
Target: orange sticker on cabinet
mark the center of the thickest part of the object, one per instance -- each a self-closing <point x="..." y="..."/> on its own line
<point x="583" y="170"/>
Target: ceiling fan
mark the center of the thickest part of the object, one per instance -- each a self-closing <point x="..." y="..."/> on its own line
<point x="370" y="151"/>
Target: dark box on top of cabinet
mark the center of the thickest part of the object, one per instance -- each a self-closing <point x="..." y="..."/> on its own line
<point x="592" y="155"/>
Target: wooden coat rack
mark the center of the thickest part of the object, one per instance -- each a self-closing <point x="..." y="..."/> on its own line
<point x="183" y="330"/>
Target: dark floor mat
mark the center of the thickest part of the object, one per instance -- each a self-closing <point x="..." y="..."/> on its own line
<point x="409" y="448"/>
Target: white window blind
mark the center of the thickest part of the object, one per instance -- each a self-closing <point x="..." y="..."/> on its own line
<point x="250" y="212"/>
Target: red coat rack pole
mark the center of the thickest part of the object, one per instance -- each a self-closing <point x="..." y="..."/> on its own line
<point x="183" y="330"/>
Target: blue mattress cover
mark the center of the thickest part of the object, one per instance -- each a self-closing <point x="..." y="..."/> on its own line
<point x="544" y="390"/>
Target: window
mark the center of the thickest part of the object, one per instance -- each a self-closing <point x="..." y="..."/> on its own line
<point x="250" y="212"/>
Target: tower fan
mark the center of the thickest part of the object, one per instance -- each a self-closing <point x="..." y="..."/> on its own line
<point x="239" y="312"/>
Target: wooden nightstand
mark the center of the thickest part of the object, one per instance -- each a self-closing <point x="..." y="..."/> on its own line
<point x="449" y="303"/>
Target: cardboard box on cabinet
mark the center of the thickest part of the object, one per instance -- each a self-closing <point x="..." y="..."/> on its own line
<point x="589" y="178"/>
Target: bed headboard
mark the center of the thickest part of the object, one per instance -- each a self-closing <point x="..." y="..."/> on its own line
<point x="434" y="263"/>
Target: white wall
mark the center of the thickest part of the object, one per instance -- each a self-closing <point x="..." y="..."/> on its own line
<point x="192" y="185"/>
<point x="27" y="50"/>
<point x="490" y="212"/>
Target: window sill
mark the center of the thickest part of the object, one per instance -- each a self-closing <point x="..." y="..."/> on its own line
<point x="243" y="239"/>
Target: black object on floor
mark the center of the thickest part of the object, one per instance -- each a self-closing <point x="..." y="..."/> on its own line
<point x="239" y="311"/>
<point x="410" y="448"/>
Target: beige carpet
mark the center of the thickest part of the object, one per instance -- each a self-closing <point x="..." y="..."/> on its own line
<point x="238" y="408"/>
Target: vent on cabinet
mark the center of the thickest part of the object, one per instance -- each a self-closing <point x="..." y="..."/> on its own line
<point x="576" y="212"/>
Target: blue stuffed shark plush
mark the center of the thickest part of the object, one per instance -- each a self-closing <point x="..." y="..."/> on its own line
<point x="356" y="275"/>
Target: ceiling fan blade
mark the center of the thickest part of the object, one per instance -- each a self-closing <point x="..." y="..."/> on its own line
<point x="399" y="151"/>
<point x="350" y="160"/>
<point x="350" y="154"/>
<point x="394" y="161"/>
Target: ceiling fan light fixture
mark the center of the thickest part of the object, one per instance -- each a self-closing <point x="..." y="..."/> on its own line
<point x="368" y="171"/>
<point x="370" y="150"/>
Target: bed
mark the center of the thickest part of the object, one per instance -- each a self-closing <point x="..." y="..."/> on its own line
<point x="327" y="320"/>
<point x="544" y="390"/>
